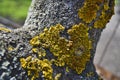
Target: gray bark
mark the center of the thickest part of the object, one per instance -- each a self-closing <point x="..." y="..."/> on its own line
<point x="43" y="13"/>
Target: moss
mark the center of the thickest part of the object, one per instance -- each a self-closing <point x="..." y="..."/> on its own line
<point x="5" y="29"/>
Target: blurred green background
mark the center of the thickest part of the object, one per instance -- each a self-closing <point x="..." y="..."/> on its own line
<point x="15" y="10"/>
<point x="117" y="2"/>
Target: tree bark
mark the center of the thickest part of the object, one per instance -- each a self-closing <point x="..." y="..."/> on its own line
<point x="15" y="45"/>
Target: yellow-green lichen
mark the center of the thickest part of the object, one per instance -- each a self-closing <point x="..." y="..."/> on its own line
<point x="89" y="10"/>
<point x="34" y="66"/>
<point x="105" y="17"/>
<point x="74" y="52"/>
<point x="10" y="48"/>
<point x="90" y="74"/>
<point x="5" y="29"/>
<point x="35" y="41"/>
<point x="80" y="50"/>
<point x="57" y="76"/>
<point x="39" y="51"/>
<point x="67" y="69"/>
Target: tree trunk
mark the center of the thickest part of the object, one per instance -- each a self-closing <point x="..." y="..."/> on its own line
<point x="57" y="42"/>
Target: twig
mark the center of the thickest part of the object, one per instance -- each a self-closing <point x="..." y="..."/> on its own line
<point x="9" y="23"/>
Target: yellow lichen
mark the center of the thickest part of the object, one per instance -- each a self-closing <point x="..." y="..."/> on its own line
<point x="35" y="50"/>
<point x="35" y="41"/>
<point x="106" y="7"/>
<point x="74" y="52"/>
<point x="57" y="76"/>
<point x="80" y="50"/>
<point x="105" y="16"/>
<point x="34" y="66"/>
<point x="67" y="69"/>
<point x="10" y="48"/>
<point x="39" y="51"/>
<point x="90" y="74"/>
<point x="89" y="10"/>
<point x="5" y="29"/>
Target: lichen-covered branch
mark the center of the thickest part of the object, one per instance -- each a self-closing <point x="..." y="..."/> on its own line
<point x="57" y="42"/>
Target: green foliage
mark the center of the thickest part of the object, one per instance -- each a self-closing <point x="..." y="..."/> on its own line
<point x="117" y="2"/>
<point x="15" y="9"/>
